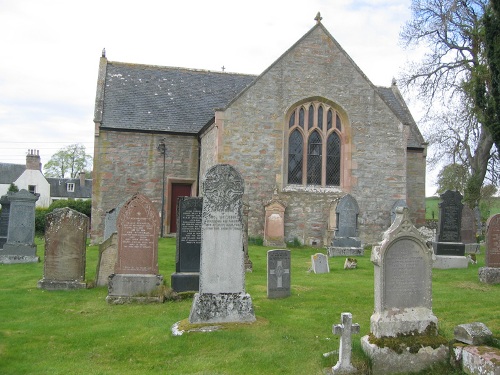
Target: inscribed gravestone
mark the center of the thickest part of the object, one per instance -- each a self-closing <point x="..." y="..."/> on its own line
<point x="490" y="274"/>
<point x="345" y="239"/>
<point x="278" y="273"/>
<point x="188" y="241"/>
<point x="4" y="219"/>
<point x="222" y="297"/>
<point x="20" y="245"/>
<point x="320" y="263"/>
<point x="403" y="281"/>
<point x="136" y="270"/>
<point x="274" y="224"/>
<point x="65" y="242"/>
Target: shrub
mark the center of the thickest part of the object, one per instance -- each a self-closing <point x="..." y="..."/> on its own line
<point x="81" y="206"/>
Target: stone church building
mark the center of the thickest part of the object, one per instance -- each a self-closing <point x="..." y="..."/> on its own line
<point x="311" y="127"/>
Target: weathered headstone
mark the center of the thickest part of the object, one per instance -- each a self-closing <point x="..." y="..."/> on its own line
<point x="490" y="274"/>
<point x="108" y="254"/>
<point x="468" y="230"/>
<point x="65" y="250"/>
<point x="319" y="263"/>
<point x="136" y="275"/>
<point x="278" y="273"/>
<point x="403" y="297"/>
<point x="449" y="250"/>
<point x="188" y="242"/>
<point x="274" y="225"/>
<point x="222" y="297"/>
<point x="345" y="239"/>
<point x="248" y="261"/>
<point x="20" y="245"/>
<point x="4" y="219"/>
<point x="345" y="330"/>
<point x="110" y="221"/>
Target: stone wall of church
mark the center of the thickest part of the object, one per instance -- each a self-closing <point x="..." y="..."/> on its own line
<point x="253" y="139"/>
<point x="126" y="163"/>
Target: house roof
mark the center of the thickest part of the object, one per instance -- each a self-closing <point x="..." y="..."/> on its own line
<point x="10" y="172"/>
<point x="165" y="99"/>
<point x="58" y="188"/>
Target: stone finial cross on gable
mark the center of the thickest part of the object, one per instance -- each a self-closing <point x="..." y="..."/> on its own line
<point x="279" y="271"/>
<point x="345" y="330"/>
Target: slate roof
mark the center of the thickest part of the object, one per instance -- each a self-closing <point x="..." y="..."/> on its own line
<point x="392" y="97"/>
<point x="58" y="188"/>
<point x="154" y="98"/>
<point x="10" y="172"/>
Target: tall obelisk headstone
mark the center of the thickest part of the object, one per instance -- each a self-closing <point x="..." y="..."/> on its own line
<point x="222" y="297"/>
<point x="136" y="271"/>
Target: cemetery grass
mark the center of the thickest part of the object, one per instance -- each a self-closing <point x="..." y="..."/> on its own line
<point x="77" y="332"/>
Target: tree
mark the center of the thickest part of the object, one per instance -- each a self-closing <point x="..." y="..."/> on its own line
<point x="453" y="68"/>
<point x="13" y="188"/>
<point x="68" y="162"/>
<point x="452" y="177"/>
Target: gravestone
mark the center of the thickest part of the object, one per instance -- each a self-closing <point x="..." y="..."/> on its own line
<point x="395" y="206"/>
<point x="403" y="296"/>
<point x="274" y="225"/>
<point x="20" y="245"/>
<point x="449" y="250"/>
<point x="65" y="250"/>
<point x="188" y="242"/>
<point x="248" y="261"/>
<point x="4" y="219"/>
<point x="136" y="277"/>
<point x="222" y="297"/>
<point x="345" y="330"/>
<point x="108" y="254"/>
<point x="319" y="263"/>
<point x="468" y="230"/>
<point x="490" y="274"/>
<point x="110" y="221"/>
<point x="278" y="273"/>
<point x="345" y="238"/>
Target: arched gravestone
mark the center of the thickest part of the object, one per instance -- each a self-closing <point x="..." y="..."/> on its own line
<point x="490" y="274"/>
<point x="403" y="281"/>
<point x="136" y="269"/>
<point x="222" y="297"/>
<point x="345" y="239"/>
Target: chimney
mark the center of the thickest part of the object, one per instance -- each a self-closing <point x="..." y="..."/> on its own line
<point x="33" y="160"/>
<point x="82" y="178"/>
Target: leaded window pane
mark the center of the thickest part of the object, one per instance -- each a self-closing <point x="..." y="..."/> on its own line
<point x="314" y="158"/>
<point x="338" y="123"/>
<point x="291" y="123"/>
<point x="333" y="160"/>
<point x="320" y="117"/>
<point x="329" y="117"/>
<point x="301" y="118"/>
<point x="295" y="152"/>
<point x="310" y="121"/>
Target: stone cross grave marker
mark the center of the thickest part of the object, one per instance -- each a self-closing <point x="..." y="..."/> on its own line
<point x="136" y="272"/>
<point x="222" y="297"/>
<point x="65" y="250"/>
<point x="20" y="245"/>
<point x="346" y="329"/>
<point x="278" y="273"/>
<point x="319" y="263"/>
<point x="188" y="243"/>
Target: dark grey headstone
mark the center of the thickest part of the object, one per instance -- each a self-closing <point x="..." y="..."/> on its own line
<point x="278" y="273"/>
<point x="65" y="249"/>
<point x="188" y="241"/>
<point x="4" y="219"/>
<point x="347" y="212"/>
<point x="450" y="217"/>
<point x="20" y="245"/>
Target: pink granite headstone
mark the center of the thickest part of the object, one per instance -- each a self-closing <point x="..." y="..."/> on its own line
<point x="493" y="241"/>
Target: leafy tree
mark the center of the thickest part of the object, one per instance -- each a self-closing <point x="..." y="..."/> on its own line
<point x="13" y="188"/>
<point x="452" y="177"/>
<point x="453" y="69"/>
<point x="68" y="162"/>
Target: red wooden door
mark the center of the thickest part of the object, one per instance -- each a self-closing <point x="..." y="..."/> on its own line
<point x="178" y="190"/>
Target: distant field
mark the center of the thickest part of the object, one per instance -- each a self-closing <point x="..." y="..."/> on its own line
<point x="491" y="207"/>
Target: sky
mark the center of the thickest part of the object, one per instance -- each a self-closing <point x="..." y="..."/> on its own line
<point x="50" y="50"/>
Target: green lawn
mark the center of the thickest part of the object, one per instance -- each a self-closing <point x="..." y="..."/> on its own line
<point x="77" y="332"/>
